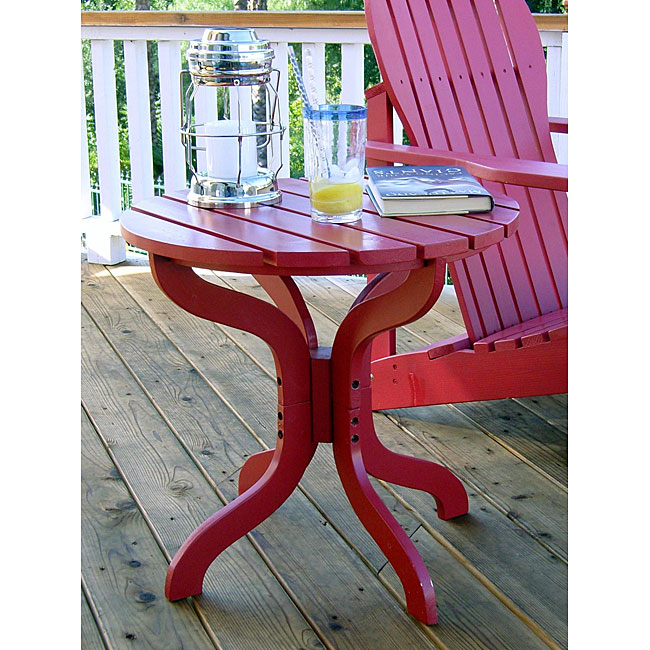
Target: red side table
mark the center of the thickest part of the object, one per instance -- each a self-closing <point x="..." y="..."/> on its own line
<point x="324" y="394"/>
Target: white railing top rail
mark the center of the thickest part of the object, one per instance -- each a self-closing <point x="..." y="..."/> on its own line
<point x="289" y="19"/>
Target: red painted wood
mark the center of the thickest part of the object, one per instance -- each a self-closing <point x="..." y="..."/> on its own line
<point x="292" y="455"/>
<point x="323" y="395"/>
<point x="374" y="313"/>
<point x="416" y="473"/>
<point x="466" y="376"/>
<point x="468" y="79"/>
<point x="378" y="521"/>
<point x="440" y="349"/>
<point x="364" y="247"/>
<point x="558" y="124"/>
<point x="253" y="469"/>
<point x="294" y="448"/>
<point x="171" y="240"/>
<point x="228" y="307"/>
<point x="429" y="241"/>
<point x="539" y="324"/>
<point x="381" y="126"/>
<point x="533" y="173"/>
<point x="479" y="232"/>
<point x="279" y="248"/>
<point x="286" y="295"/>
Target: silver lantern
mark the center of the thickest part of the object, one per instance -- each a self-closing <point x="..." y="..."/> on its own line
<point x="230" y="120"/>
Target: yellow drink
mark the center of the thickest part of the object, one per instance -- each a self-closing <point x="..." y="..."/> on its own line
<point x="335" y="198"/>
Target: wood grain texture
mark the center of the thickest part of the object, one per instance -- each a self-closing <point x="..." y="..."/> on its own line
<point x="91" y="638"/>
<point x="323" y="19"/>
<point x="326" y="592"/>
<point x="481" y="621"/>
<point x="121" y="562"/>
<point x="176" y="497"/>
<point x="497" y="564"/>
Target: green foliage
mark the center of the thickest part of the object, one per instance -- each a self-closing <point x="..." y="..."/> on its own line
<point x="546" y="6"/>
<point x="332" y="66"/>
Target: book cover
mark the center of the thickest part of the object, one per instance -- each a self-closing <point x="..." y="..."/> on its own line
<point x="428" y="189"/>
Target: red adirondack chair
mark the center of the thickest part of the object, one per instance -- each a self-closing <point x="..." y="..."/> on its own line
<point x="468" y="81"/>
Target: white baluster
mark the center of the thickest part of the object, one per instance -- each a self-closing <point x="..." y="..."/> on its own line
<point x="281" y="63"/>
<point x="86" y="201"/>
<point x="105" y="245"/>
<point x="315" y="52"/>
<point x="352" y="84"/>
<point x="139" y="119"/>
<point x="169" y="67"/>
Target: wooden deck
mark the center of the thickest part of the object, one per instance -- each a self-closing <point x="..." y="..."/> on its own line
<point x="171" y="408"/>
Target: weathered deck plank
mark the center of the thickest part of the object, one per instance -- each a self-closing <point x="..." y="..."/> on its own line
<point x="121" y="562"/>
<point x="91" y="638"/>
<point x="499" y="573"/>
<point x="175" y="498"/>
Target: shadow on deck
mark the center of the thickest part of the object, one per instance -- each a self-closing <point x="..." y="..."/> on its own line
<point x="168" y="419"/>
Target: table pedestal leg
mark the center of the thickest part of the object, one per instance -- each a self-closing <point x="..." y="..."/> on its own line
<point x="295" y="446"/>
<point x="377" y="519"/>
<point x="416" y="473"/>
<point x="289" y="460"/>
<point x="357" y="449"/>
<point x="342" y="385"/>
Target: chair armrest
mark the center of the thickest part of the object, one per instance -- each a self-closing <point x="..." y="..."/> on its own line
<point x="529" y="173"/>
<point x="559" y="124"/>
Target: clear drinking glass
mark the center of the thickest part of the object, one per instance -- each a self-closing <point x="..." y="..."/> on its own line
<point x="335" y="147"/>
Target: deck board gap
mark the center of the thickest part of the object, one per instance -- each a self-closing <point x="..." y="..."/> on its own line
<point x="93" y="610"/>
<point x="480" y="491"/>
<point x="473" y="570"/>
<point x="510" y="449"/>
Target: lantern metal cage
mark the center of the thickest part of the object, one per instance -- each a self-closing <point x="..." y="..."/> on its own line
<point x="230" y="120"/>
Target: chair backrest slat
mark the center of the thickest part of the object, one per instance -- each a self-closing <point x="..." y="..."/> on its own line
<point x="469" y="76"/>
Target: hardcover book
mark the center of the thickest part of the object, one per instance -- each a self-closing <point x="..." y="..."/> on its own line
<point x="430" y="189"/>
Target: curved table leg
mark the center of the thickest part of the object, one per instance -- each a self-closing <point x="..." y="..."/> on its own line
<point x="378" y="521"/>
<point x="374" y="313"/>
<point x="290" y="458"/>
<point x="295" y="446"/>
<point x="285" y="294"/>
<point x="416" y="473"/>
<point x="253" y="469"/>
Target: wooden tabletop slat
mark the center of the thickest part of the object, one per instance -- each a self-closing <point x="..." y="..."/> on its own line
<point x="364" y="247"/>
<point x="430" y="242"/>
<point x="278" y="248"/>
<point x="481" y="231"/>
<point x="283" y="239"/>
<point x="169" y="239"/>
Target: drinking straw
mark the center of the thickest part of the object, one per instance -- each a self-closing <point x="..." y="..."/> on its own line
<point x="307" y="102"/>
<point x="301" y="84"/>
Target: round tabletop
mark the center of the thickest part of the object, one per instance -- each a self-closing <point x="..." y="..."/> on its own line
<point x="283" y="240"/>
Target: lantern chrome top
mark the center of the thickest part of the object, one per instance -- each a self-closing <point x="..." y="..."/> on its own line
<point x="233" y="56"/>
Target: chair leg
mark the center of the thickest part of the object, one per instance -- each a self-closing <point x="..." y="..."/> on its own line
<point x="293" y="453"/>
<point x="378" y="521"/>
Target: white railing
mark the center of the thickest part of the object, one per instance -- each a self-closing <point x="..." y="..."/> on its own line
<point x="310" y="29"/>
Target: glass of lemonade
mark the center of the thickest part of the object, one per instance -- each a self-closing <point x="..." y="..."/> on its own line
<point x="335" y="142"/>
